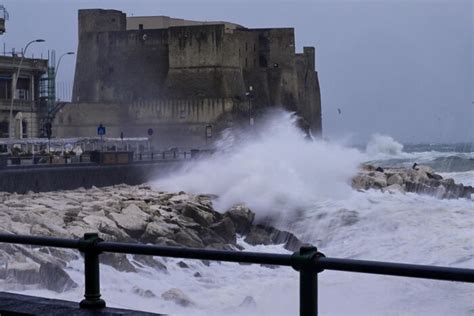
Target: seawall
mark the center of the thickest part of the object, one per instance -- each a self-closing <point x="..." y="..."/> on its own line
<point x="53" y="178"/>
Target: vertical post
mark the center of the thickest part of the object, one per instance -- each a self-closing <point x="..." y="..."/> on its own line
<point x="308" y="292"/>
<point x="92" y="295"/>
<point x="304" y="262"/>
<point x="152" y="156"/>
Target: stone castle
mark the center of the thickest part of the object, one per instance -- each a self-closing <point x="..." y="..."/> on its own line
<point x="183" y="80"/>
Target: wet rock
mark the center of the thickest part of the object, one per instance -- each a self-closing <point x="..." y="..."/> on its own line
<point x="23" y="272"/>
<point x="248" y="302"/>
<point x="197" y="275"/>
<point x="182" y="264"/>
<point x="143" y="293"/>
<point x="199" y="215"/>
<point x="158" y="229"/>
<point x="188" y="238"/>
<point x="132" y="219"/>
<point x="266" y="235"/>
<point x="54" y="278"/>
<point x="225" y="229"/>
<point x="177" y="296"/>
<point x="242" y="217"/>
<point x="149" y="261"/>
<point x="394" y="188"/>
<point x="394" y="179"/>
<point x="117" y="261"/>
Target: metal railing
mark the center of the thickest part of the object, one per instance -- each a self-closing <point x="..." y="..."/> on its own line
<point x="42" y="159"/>
<point x="307" y="261"/>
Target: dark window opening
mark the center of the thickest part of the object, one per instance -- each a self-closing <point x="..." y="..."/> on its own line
<point x="24" y="129"/>
<point x="263" y="61"/>
<point x="246" y="46"/>
<point x="113" y="19"/>
<point x="3" y="129"/>
<point x="140" y="27"/>
<point x="5" y="86"/>
<point x="246" y="62"/>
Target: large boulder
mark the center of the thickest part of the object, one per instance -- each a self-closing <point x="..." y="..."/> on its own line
<point x="394" y="179"/>
<point x="199" y="215"/>
<point x="155" y="230"/>
<point x="266" y="235"/>
<point x="23" y="272"/>
<point x="225" y="229"/>
<point x="132" y="219"/>
<point x="117" y="261"/>
<point x="54" y="278"/>
<point x="242" y="217"/>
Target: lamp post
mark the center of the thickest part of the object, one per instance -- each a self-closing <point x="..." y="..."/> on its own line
<point x="59" y="63"/>
<point x="14" y="83"/>
<point x="54" y="80"/>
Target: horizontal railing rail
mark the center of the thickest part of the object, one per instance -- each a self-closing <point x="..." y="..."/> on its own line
<point x="307" y="261"/>
<point x="44" y="159"/>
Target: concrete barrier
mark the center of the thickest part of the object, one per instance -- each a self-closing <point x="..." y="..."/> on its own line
<point x="53" y="178"/>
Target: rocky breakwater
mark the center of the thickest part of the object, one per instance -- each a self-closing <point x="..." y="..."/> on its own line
<point x="418" y="179"/>
<point x="119" y="213"/>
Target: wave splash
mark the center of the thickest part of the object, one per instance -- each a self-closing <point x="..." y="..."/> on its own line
<point x="273" y="168"/>
<point x="383" y="145"/>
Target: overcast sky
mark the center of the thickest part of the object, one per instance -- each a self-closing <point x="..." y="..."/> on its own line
<point x="401" y="68"/>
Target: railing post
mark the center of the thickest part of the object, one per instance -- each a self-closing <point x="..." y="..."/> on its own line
<point x="303" y="261"/>
<point x="152" y="156"/>
<point x="92" y="298"/>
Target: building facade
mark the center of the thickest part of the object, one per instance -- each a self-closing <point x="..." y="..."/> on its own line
<point x="28" y="107"/>
<point x="182" y="78"/>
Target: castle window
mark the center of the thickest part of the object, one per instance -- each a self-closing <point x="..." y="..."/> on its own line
<point x="140" y="27"/>
<point x="263" y="61"/>
<point x="246" y="46"/>
<point x="113" y="20"/>
<point x="246" y="62"/>
<point x="254" y="47"/>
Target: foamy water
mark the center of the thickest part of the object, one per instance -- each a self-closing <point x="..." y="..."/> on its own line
<point x="304" y="187"/>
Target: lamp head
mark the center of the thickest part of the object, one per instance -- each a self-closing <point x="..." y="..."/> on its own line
<point x="70" y="53"/>
<point x="40" y="40"/>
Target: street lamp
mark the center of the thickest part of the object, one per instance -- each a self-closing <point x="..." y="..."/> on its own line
<point x="14" y="83"/>
<point x="59" y="63"/>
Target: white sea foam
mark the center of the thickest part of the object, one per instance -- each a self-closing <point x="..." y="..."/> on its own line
<point x="383" y="146"/>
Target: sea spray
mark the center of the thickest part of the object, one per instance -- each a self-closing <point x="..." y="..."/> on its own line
<point x="273" y="168"/>
<point x="383" y="145"/>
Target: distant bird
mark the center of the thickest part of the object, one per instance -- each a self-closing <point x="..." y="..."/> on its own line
<point x="339" y="111"/>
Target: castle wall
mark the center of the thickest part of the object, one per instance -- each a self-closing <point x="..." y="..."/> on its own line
<point x="120" y="66"/>
<point x="180" y="121"/>
<point x="309" y="90"/>
<point x="202" y="63"/>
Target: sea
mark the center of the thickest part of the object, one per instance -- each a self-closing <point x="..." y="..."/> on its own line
<point x="303" y="186"/>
